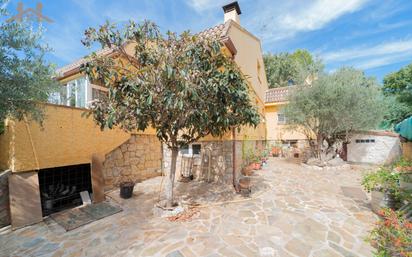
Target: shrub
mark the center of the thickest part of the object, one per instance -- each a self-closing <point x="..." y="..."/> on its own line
<point x="392" y="235"/>
<point x="383" y="180"/>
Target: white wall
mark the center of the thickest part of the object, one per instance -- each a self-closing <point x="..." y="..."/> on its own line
<point x="384" y="150"/>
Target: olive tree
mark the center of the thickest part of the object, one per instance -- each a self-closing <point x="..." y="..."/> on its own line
<point x="183" y="86"/>
<point x="334" y="106"/>
<point x="25" y="77"/>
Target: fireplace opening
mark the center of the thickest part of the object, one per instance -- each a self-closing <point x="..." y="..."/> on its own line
<point x="60" y="187"/>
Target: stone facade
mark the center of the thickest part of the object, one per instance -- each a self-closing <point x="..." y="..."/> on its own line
<point x="138" y="158"/>
<point x="4" y="199"/>
<point x="215" y="162"/>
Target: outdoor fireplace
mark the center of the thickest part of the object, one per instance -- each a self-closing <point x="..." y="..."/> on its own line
<point x="60" y="187"/>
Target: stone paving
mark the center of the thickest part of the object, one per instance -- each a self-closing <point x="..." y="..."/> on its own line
<point x="294" y="211"/>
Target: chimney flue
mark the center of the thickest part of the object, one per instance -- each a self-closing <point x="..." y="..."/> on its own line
<point x="232" y="12"/>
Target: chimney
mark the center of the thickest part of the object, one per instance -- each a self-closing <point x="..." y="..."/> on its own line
<point x="232" y="12"/>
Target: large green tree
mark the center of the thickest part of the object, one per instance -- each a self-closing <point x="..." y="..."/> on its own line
<point x="284" y="68"/>
<point x="25" y="77"/>
<point x="181" y="85"/>
<point x="334" y="106"/>
<point x="399" y="85"/>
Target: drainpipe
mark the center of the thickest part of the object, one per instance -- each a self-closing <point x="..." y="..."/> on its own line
<point x="235" y="184"/>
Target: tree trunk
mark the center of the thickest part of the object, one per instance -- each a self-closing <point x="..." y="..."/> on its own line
<point x="319" y="146"/>
<point x="171" y="179"/>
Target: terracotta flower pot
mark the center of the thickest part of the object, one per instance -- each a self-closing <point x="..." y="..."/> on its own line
<point x="275" y="151"/>
<point x="247" y="170"/>
<point x="257" y="166"/>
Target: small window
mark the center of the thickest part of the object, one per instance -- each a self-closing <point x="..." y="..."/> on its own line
<point x="98" y="94"/>
<point x="184" y="149"/>
<point x="364" y="141"/>
<point x="196" y="149"/>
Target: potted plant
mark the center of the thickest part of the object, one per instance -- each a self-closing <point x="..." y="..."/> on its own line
<point x="257" y="165"/>
<point x="126" y="188"/>
<point x="404" y="168"/>
<point x="275" y="151"/>
<point x="248" y="165"/>
<point x="247" y="169"/>
<point x="264" y="157"/>
<point x="392" y="235"/>
<point x="384" y="187"/>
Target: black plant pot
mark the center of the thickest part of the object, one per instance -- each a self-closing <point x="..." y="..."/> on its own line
<point x="126" y="190"/>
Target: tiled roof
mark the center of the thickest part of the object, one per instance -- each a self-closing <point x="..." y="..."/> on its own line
<point x="218" y="31"/>
<point x="76" y="64"/>
<point x="279" y="94"/>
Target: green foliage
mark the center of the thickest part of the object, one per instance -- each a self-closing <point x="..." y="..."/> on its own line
<point x="25" y="78"/>
<point x="181" y="85"/>
<point x="395" y="112"/>
<point x="284" y="68"/>
<point x="383" y="180"/>
<point x="403" y="163"/>
<point x="399" y="85"/>
<point x="392" y="235"/>
<point x="335" y="105"/>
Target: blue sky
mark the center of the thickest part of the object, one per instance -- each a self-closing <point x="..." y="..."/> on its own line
<point x="375" y="36"/>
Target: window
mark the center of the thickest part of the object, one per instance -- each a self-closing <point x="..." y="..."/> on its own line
<point x="193" y="149"/>
<point x="196" y="149"/>
<point x="73" y="93"/>
<point x="281" y="118"/>
<point x="362" y="141"/>
<point x="184" y="150"/>
<point x="98" y="94"/>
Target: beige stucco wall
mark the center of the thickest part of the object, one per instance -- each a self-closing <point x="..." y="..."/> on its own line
<point x="250" y="61"/>
<point x="276" y="132"/>
<point x="66" y="138"/>
<point x="384" y="150"/>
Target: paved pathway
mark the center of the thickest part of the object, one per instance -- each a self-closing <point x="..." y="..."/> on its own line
<point x="295" y="211"/>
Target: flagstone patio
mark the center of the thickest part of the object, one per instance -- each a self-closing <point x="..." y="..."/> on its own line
<point x="293" y="211"/>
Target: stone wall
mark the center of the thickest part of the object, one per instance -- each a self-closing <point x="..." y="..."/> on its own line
<point x="215" y="162"/>
<point x="138" y="158"/>
<point x="4" y="199"/>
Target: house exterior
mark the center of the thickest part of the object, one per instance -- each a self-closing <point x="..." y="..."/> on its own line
<point x="228" y="153"/>
<point x="278" y="133"/>
<point x="70" y="149"/>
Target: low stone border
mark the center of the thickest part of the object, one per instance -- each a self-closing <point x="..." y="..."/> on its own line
<point x="315" y="167"/>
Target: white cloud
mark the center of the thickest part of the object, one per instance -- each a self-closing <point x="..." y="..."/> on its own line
<point x="277" y="21"/>
<point x="367" y="56"/>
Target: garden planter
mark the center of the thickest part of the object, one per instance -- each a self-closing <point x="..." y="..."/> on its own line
<point x="244" y="186"/>
<point x="382" y="200"/>
<point x="257" y="166"/>
<point x="275" y="151"/>
<point x="126" y="190"/>
<point x="247" y="170"/>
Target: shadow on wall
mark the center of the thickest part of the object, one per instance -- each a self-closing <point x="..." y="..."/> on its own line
<point x="4" y="199"/>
